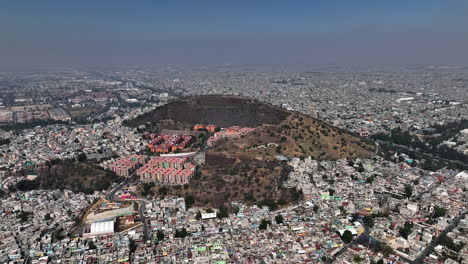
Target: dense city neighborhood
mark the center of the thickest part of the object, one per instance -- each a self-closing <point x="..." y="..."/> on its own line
<point x="405" y="203"/>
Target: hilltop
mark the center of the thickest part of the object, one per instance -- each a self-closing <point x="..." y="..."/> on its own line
<point x="224" y="111"/>
<point x="246" y="168"/>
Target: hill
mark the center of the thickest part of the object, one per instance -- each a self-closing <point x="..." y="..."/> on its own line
<point x="71" y="175"/>
<point x="223" y="111"/>
<point x="246" y="168"/>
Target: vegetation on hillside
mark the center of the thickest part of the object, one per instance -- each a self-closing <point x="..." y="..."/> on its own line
<point x="246" y="169"/>
<point x="71" y="175"/>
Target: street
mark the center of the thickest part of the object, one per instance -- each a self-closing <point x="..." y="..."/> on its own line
<point x="141" y="204"/>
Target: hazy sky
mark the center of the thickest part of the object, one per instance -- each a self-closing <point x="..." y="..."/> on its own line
<point x="328" y="32"/>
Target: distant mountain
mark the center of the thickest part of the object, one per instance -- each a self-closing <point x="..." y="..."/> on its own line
<point x="247" y="168"/>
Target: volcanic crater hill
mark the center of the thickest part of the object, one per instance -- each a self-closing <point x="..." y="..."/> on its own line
<point x="223" y="111"/>
<point x="246" y="168"/>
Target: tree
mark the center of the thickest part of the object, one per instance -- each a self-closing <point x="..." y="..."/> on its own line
<point x="439" y="212"/>
<point x="249" y="197"/>
<point x="81" y="157"/>
<point x="342" y="209"/>
<point x="269" y="203"/>
<point x="357" y="259"/>
<point x="47" y="217"/>
<point x="223" y="212"/>
<point x="278" y="149"/>
<point x="23" y="216"/>
<point x="27" y="185"/>
<point x="316" y="208"/>
<point x="448" y="242"/>
<point x="197" y="174"/>
<point x="91" y="245"/>
<point x="369" y="220"/>
<point x="177" y="151"/>
<point x="279" y="219"/>
<point x="189" y="201"/>
<point x="181" y="233"/>
<point x="5" y="141"/>
<point x="296" y="194"/>
<point x="281" y="202"/>
<point x="370" y="179"/>
<point x="406" y="229"/>
<point x="162" y="191"/>
<point x="408" y="190"/>
<point x="347" y="236"/>
<point x="264" y="224"/>
<point x="160" y="235"/>
<point x="132" y="245"/>
<point x="147" y="188"/>
<point x="386" y="251"/>
<point x="58" y="234"/>
<point x="12" y="188"/>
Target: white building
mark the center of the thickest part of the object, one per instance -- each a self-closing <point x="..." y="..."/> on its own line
<point x="101" y="228"/>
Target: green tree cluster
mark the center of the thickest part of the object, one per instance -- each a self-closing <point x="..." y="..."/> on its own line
<point x="181" y="233"/>
<point x="189" y="201"/>
<point x="406" y="229"/>
<point x="347" y="236"/>
<point x="279" y="219"/>
<point x="264" y="224"/>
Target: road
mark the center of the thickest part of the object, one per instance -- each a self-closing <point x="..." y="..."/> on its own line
<point x="422" y="255"/>
<point x="377" y="148"/>
<point x="141" y="204"/>
<point x="110" y="195"/>
<point x="332" y="259"/>
<point x="405" y="148"/>
<point x="434" y="242"/>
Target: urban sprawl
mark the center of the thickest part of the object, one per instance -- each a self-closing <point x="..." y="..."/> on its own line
<point x="405" y="204"/>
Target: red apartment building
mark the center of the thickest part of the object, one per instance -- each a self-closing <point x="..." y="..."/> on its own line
<point x="211" y="128"/>
<point x="124" y="167"/>
<point x="230" y="132"/>
<point x="168" y="143"/>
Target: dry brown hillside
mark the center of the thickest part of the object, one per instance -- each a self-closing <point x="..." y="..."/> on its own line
<point x="297" y="136"/>
<point x="246" y="168"/>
